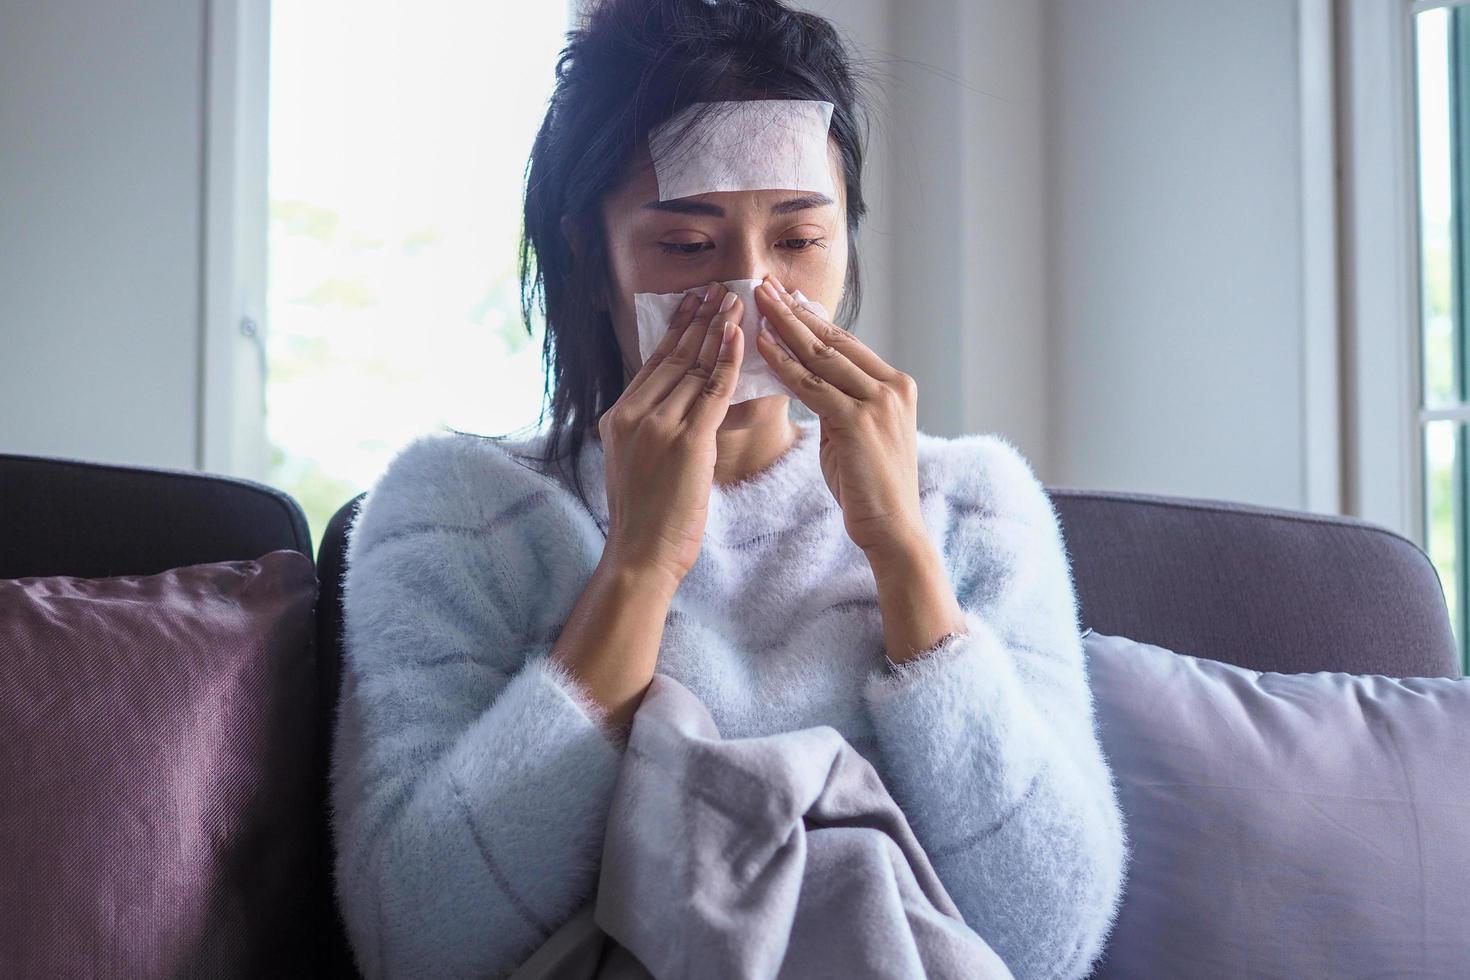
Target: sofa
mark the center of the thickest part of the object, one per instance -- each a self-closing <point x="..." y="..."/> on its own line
<point x="1265" y="589"/>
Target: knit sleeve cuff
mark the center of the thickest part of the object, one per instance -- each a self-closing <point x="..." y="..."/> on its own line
<point x="593" y="710"/>
<point x="957" y="734"/>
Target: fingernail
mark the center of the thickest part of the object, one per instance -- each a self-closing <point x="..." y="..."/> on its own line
<point x="727" y="302"/>
<point x="777" y="283"/>
<point x="766" y="327"/>
<point x="688" y="302"/>
<point x="710" y="290"/>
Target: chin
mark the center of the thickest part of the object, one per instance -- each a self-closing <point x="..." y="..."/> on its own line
<point x="754" y="411"/>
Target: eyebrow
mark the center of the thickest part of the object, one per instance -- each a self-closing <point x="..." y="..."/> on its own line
<point x="685" y="206"/>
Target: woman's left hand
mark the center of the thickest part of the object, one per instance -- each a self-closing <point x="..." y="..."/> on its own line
<point x="869" y="417"/>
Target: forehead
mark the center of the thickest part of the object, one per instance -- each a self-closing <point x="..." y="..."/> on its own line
<point x="639" y="186"/>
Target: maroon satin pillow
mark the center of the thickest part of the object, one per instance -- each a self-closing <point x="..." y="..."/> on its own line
<point x="156" y="788"/>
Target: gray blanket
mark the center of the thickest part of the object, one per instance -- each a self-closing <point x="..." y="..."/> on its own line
<point x="775" y="857"/>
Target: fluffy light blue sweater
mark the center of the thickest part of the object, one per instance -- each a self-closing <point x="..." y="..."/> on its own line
<point x="471" y="777"/>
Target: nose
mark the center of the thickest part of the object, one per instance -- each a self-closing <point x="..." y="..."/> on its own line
<point x="745" y="257"/>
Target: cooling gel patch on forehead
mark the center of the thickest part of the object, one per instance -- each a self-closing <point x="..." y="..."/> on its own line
<point x="756" y="380"/>
<point x="758" y="144"/>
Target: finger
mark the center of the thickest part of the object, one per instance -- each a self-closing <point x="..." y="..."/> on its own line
<point x="688" y="306"/>
<point x="813" y="358"/>
<point x="696" y="380"/>
<point x="672" y="366"/>
<point x="844" y="340"/>
<point x="813" y="392"/>
<point x="810" y="332"/>
<point x="709" y="410"/>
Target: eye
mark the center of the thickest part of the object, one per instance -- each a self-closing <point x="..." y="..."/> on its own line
<point x="801" y="244"/>
<point x="685" y="248"/>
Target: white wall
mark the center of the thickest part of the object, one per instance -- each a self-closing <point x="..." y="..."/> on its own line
<point x="1176" y="247"/>
<point x="1093" y="237"/>
<point x="100" y="190"/>
<point x="966" y="128"/>
<point x="953" y="248"/>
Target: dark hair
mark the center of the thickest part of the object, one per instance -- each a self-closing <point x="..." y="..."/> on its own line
<point x="632" y="65"/>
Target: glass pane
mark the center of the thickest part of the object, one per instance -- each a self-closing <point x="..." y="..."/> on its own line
<point x="399" y="135"/>
<point x="1444" y="460"/>
<point x="1442" y="371"/>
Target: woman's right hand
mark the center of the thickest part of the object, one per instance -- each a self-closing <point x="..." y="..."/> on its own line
<point x="658" y="439"/>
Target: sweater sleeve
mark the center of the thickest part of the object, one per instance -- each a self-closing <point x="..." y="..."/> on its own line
<point x="988" y="742"/>
<point x="471" y="776"/>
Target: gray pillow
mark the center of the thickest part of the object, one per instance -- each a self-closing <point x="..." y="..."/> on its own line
<point x="1286" y="825"/>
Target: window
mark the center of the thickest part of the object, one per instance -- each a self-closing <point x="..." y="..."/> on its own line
<point x="1442" y="115"/>
<point x="399" y="135"/>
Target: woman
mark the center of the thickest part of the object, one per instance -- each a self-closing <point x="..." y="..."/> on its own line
<point x="503" y="619"/>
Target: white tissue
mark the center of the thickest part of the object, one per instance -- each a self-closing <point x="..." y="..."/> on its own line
<point x="756" y="380"/>
<point x="756" y="144"/>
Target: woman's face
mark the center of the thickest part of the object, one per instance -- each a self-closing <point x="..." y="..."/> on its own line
<point x="672" y="246"/>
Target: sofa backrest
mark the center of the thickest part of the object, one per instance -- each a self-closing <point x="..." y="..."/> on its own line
<point x="1257" y="587"/>
<point x="62" y="516"/>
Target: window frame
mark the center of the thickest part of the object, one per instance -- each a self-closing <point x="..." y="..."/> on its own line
<point x="234" y="238"/>
<point x="1384" y="409"/>
<point x="1459" y="413"/>
<point x="1379" y="247"/>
